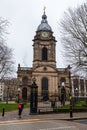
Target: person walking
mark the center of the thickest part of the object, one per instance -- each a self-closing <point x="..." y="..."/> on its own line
<point x="20" y="109"/>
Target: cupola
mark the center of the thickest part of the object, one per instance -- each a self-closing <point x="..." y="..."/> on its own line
<point x="44" y="26"/>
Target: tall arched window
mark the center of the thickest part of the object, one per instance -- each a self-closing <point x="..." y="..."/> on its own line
<point x="45" y="95"/>
<point x="44" y="53"/>
<point x="24" y="93"/>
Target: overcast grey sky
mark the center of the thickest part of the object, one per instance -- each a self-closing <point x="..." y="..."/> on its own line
<point x="25" y="16"/>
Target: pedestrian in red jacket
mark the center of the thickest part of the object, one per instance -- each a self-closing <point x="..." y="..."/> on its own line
<point x="20" y="109"/>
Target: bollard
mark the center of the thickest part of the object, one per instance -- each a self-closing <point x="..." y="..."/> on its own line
<point x="71" y="111"/>
<point x="71" y="114"/>
<point x="3" y="112"/>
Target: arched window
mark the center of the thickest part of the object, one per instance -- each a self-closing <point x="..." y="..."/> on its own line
<point x="24" y="93"/>
<point x="44" y="54"/>
<point x="45" y="89"/>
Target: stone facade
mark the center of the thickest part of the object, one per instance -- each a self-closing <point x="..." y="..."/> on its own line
<point x="9" y="89"/>
<point x="49" y="79"/>
<point x="79" y="86"/>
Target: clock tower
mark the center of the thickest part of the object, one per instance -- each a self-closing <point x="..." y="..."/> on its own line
<point x="49" y="79"/>
<point x="44" y="45"/>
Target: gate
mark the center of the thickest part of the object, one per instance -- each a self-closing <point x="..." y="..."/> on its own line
<point x="48" y="105"/>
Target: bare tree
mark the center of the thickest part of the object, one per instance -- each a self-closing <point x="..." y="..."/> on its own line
<point x="6" y="56"/>
<point x="74" y="36"/>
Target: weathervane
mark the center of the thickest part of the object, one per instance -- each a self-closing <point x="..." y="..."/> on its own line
<point x="44" y="9"/>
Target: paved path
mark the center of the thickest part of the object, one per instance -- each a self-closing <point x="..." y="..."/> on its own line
<point x="13" y="117"/>
<point x="25" y="115"/>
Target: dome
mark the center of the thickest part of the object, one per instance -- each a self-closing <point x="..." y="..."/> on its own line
<point x="44" y="26"/>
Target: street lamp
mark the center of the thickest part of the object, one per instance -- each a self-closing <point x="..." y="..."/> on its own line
<point x="19" y="94"/>
<point x="63" y="95"/>
<point x="76" y="94"/>
<point x="71" y="113"/>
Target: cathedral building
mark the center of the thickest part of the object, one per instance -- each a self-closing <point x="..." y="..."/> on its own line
<point x="49" y="79"/>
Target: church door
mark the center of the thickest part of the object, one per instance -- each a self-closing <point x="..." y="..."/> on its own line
<point x="45" y="95"/>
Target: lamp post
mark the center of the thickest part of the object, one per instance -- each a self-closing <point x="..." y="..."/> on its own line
<point x="63" y="95"/>
<point x="19" y="94"/>
<point x="71" y="112"/>
<point x="76" y="94"/>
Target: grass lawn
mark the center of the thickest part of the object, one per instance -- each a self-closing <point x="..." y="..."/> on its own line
<point x="14" y="106"/>
<point x="80" y="103"/>
<point x="11" y="106"/>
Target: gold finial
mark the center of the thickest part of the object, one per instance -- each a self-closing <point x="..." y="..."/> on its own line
<point x="44" y="9"/>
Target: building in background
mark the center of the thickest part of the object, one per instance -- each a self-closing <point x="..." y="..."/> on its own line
<point x="52" y="82"/>
<point x="49" y="79"/>
<point x="1" y="90"/>
<point x="9" y="89"/>
<point x="79" y="86"/>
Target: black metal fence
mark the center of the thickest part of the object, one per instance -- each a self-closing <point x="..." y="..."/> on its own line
<point x="51" y="104"/>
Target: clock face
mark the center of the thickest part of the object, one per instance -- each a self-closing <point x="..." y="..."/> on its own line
<point x="44" y="34"/>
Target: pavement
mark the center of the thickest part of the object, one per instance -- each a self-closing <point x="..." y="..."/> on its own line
<point x="13" y="115"/>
